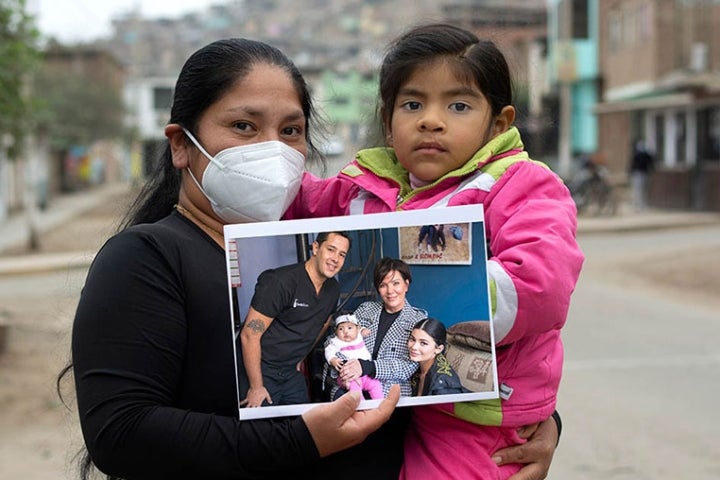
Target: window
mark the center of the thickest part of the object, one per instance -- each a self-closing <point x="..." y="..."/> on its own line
<point x="162" y="98"/>
<point x="580" y="19"/>
<point x="630" y="27"/>
<point x="614" y="31"/>
<point x="708" y="134"/>
<point x="644" y="22"/>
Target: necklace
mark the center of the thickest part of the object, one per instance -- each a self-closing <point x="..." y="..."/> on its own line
<point x="212" y="233"/>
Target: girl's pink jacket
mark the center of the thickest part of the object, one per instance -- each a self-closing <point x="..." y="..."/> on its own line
<point x="535" y="262"/>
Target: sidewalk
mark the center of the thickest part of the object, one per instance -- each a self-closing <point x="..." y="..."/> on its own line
<point x="15" y="231"/>
<point x="651" y="219"/>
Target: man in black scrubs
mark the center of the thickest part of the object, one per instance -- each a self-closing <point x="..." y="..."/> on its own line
<point x="289" y="311"/>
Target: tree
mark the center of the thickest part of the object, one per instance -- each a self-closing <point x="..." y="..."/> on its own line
<point x="19" y="58"/>
<point x="75" y="110"/>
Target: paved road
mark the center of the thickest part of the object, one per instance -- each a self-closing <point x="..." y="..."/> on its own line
<point x="642" y="371"/>
<point x="638" y="396"/>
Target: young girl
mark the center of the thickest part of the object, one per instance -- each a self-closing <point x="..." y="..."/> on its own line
<point x="434" y="376"/>
<point x="446" y="108"/>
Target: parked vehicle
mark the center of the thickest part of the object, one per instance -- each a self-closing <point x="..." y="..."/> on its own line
<point x="592" y="191"/>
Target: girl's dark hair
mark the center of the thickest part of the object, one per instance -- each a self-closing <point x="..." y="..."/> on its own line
<point x="206" y="76"/>
<point x="387" y="265"/>
<point x="434" y="328"/>
<point x="472" y="59"/>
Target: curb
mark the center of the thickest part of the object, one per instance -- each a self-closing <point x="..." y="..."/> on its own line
<point x="44" y="262"/>
<point x="16" y="231"/>
<point x="658" y="220"/>
<point x="47" y="262"/>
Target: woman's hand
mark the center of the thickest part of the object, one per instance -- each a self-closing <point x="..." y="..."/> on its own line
<point x="338" y="425"/>
<point x="536" y="454"/>
<point x="350" y="371"/>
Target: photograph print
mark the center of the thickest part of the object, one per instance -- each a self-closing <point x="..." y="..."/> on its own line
<point x="327" y="305"/>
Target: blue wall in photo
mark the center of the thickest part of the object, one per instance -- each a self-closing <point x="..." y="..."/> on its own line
<point x="450" y="293"/>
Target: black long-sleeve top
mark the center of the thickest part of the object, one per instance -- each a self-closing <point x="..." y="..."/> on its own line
<point x="154" y="365"/>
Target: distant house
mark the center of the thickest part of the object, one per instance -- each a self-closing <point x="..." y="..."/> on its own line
<point x="80" y="155"/>
<point x="660" y="62"/>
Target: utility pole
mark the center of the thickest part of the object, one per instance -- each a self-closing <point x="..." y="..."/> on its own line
<point x="6" y="141"/>
<point x="30" y="198"/>
<point x="566" y="75"/>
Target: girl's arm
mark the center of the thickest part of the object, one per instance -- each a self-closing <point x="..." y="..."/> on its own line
<point x="321" y="197"/>
<point x="531" y="222"/>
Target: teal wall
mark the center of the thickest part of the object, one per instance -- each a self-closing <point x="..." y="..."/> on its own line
<point x="584" y="77"/>
<point x="348" y="97"/>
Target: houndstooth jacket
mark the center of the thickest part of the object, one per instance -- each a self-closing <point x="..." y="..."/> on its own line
<point x="393" y="364"/>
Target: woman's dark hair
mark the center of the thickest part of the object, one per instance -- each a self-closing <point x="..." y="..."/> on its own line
<point x="434" y="328"/>
<point x="476" y="61"/>
<point x="206" y="76"/>
<point x="387" y="265"/>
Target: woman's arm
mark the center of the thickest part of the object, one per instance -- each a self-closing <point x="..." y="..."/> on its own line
<point x="129" y="353"/>
<point x="536" y="261"/>
<point x="393" y="360"/>
<point x="128" y="347"/>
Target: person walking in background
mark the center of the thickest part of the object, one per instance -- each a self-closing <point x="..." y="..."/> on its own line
<point x="642" y="164"/>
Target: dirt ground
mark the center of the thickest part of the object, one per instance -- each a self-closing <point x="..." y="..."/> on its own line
<point x="39" y="436"/>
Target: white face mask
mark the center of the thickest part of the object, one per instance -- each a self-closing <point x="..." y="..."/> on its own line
<point x="251" y="183"/>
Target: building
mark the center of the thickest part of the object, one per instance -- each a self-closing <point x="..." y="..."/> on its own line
<point x="660" y="61"/>
<point x="338" y="51"/>
<point x="519" y="28"/>
<point x="84" y="83"/>
<point x="335" y="51"/>
<point x="574" y="75"/>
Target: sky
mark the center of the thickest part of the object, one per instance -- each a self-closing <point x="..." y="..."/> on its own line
<point x="84" y="20"/>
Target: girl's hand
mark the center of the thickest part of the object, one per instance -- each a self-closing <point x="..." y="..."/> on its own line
<point x="364" y="332"/>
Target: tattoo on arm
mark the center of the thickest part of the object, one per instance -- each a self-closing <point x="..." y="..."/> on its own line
<point x="255" y="325"/>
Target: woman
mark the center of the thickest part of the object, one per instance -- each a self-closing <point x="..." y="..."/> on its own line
<point x="389" y="323"/>
<point x="152" y="352"/>
<point x="434" y="376"/>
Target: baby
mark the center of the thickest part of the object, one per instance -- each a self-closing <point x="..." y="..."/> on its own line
<point x="346" y="344"/>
